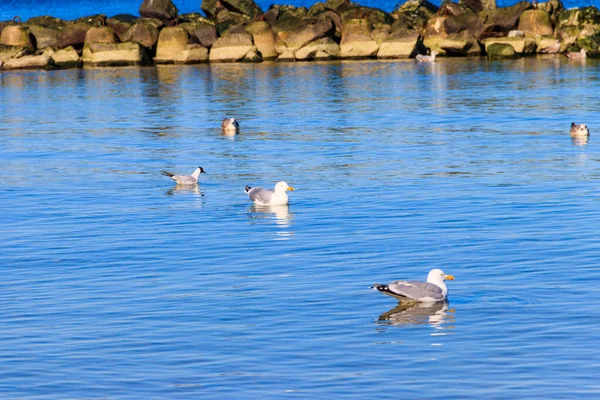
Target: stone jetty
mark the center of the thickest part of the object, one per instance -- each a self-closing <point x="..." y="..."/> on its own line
<point x="239" y="31"/>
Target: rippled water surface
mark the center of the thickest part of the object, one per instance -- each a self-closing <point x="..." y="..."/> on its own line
<point x="118" y="284"/>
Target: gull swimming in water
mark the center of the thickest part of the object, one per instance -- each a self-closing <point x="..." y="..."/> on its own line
<point x="427" y="59"/>
<point x="551" y="49"/>
<point x="186" y="179"/>
<point x="418" y="292"/>
<point x="269" y="197"/>
<point x="577" y="55"/>
<point x="230" y="126"/>
<point x="579" y="130"/>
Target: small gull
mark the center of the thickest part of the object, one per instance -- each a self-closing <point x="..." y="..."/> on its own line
<point x="418" y="292"/>
<point x="576" y="55"/>
<point x="269" y="197"/>
<point x="427" y="59"/>
<point x="230" y="126"/>
<point x="186" y="179"/>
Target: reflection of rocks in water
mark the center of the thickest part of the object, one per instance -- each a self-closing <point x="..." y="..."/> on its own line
<point x="417" y="314"/>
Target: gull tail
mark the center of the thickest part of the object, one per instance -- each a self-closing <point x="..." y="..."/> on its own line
<point x="247" y="188"/>
<point x="165" y="173"/>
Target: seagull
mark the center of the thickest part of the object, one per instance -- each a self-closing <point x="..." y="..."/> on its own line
<point x="574" y="55"/>
<point x="551" y="49"/>
<point x="418" y="292"/>
<point x="269" y="197"/>
<point x="230" y="126"/>
<point x="186" y="179"/>
<point x="426" y="59"/>
<point x="579" y="130"/>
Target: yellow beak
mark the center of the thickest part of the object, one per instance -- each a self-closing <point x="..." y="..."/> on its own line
<point x="290" y="188"/>
<point x="449" y="277"/>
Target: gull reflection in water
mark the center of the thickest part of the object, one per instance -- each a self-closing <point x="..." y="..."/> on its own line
<point x="580" y="140"/>
<point x="187" y="189"/>
<point x="435" y="314"/>
<point x="280" y="214"/>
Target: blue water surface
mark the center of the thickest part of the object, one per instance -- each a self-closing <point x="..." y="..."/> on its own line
<point x="118" y="284"/>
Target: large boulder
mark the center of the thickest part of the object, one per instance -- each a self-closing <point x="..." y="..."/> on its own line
<point x="478" y="5"/>
<point x="579" y="28"/>
<point x="114" y="54"/>
<point x="42" y="61"/>
<point x="309" y="33"/>
<point x="460" y="45"/>
<point x="173" y="47"/>
<point x="373" y="15"/>
<point x="535" y="23"/>
<point x="357" y="41"/>
<point x="413" y="15"/>
<point x="200" y="29"/>
<point x="164" y="10"/>
<point x="16" y="35"/>
<point x="234" y="47"/>
<point x="263" y="38"/>
<point x="500" y="50"/>
<point x="498" y="22"/>
<point x="522" y="45"/>
<point x="44" y="37"/>
<point x="228" y="19"/>
<point x="403" y="45"/>
<point x="73" y="35"/>
<point x="65" y="58"/>
<point x="121" y="24"/>
<point x="321" y="49"/>
<point x="144" y="32"/>
<point x="211" y="7"/>
<point x="246" y="7"/>
<point x="553" y="8"/>
<point x="100" y="34"/>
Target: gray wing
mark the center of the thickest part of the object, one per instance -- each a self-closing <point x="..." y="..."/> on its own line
<point x="184" y="179"/>
<point x="260" y="194"/>
<point x="414" y="290"/>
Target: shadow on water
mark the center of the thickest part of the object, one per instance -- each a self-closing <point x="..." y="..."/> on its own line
<point x="435" y="314"/>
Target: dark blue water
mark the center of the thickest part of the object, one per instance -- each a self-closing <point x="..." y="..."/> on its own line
<point x="78" y="8"/>
<point x="118" y="284"/>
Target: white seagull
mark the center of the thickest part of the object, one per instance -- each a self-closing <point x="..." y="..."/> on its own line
<point x="425" y="59"/>
<point x="270" y="197"/>
<point x="418" y="292"/>
<point x="186" y="179"/>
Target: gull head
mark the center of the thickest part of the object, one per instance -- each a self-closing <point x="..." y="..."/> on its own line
<point x="437" y="276"/>
<point x="282" y="187"/>
<point x="579" y="129"/>
<point x="202" y="170"/>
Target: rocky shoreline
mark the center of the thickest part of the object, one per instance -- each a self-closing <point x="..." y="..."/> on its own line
<point x="239" y="31"/>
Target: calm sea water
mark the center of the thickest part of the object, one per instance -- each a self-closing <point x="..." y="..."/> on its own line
<point x="118" y="284"/>
<point x="71" y="9"/>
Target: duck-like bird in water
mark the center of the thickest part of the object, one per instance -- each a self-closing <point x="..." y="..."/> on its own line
<point x="418" y="292"/>
<point x="186" y="179"/>
<point x="270" y="197"/>
<point x="230" y="126"/>
<point x="427" y="59"/>
<point x="551" y="49"/>
<point x="576" y="55"/>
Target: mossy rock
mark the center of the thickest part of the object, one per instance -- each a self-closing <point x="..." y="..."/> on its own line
<point x="500" y="51"/>
<point x="373" y="15"/>
<point x="578" y="17"/>
<point x="591" y="44"/>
